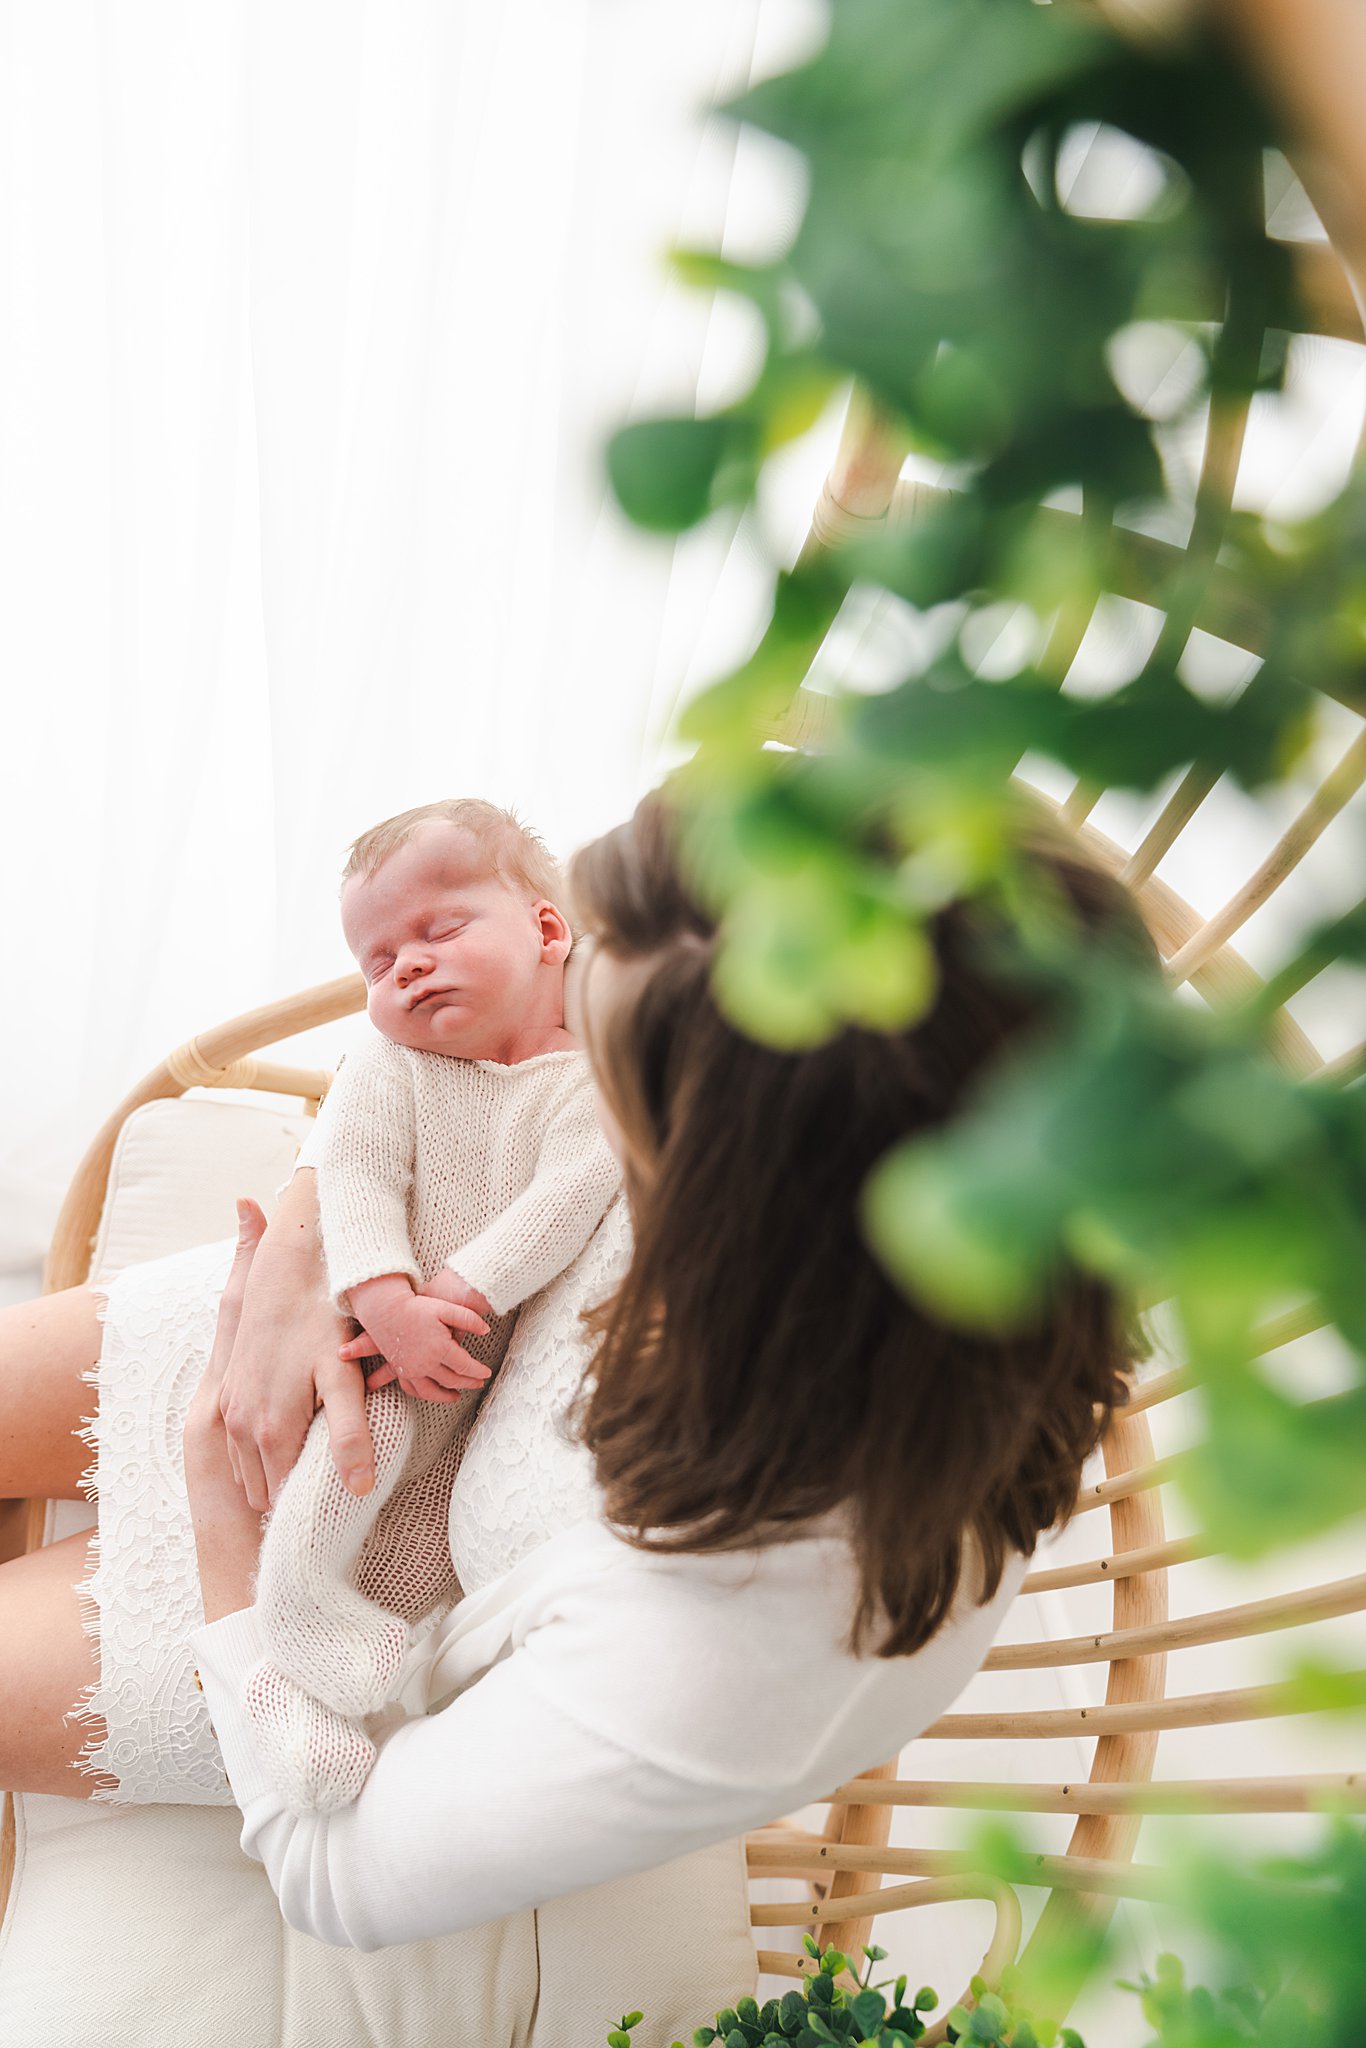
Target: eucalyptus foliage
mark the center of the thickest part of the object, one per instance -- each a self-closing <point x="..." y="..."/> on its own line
<point x="940" y="268"/>
<point x="827" y="2012"/>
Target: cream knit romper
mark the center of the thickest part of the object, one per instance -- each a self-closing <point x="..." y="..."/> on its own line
<point x="422" y="1160"/>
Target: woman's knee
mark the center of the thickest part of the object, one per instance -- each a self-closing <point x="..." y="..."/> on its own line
<point x="45" y="1347"/>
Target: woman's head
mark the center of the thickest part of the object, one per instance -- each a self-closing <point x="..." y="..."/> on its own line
<point x="758" y="1367"/>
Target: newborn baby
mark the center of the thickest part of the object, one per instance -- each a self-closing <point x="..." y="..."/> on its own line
<point x="460" y="1169"/>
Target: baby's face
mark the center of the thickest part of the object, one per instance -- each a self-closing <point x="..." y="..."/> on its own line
<point x="449" y="952"/>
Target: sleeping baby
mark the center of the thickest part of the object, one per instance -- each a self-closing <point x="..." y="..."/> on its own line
<point x="460" y="1169"/>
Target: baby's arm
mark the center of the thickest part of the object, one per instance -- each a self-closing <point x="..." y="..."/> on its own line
<point x="543" y="1231"/>
<point x="364" y="1152"/>
<point x="538" y="1235"/>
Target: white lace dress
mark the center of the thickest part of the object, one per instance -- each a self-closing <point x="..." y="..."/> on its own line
<point x="523" y="1480"/>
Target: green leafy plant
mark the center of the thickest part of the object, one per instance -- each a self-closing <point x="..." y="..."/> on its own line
<point x="992" y="320"/>
<point x="825" y="2011"/>
<point x="1287" y="1930"/>
<point x="949" y="271"/>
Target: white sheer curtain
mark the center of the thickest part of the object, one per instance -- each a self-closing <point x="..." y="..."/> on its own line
<point x="313" y="319"/>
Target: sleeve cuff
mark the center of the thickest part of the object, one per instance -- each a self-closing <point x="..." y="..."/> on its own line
<point x="226" y="1652"/>
<point x="310" y="1147"/>
<point x="380" y="1267"/>
<point x="302" y="1160"/>
<point x="482" y="1273"/>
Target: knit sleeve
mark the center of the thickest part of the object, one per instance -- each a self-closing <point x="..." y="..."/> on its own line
<point x="363" y="1152"/>
<point x="545" y="1228"/>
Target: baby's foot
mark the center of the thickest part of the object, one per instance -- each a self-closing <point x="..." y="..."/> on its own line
<point x="317" y="1758"/>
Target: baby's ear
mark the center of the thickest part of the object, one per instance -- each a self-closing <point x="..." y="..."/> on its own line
<point x="556" y="935"/>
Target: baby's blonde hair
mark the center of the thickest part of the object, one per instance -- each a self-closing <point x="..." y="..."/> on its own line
<point x="515" y="853"/>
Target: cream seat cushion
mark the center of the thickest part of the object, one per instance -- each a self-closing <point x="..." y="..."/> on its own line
<point x="129" y="1926"/>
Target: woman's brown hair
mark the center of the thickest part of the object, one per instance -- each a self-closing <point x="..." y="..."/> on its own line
<point x="757" y="1368"/>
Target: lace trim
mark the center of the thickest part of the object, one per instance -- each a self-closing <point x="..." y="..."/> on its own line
<point x="151" y="1740"/>
<point x="89" y="1706"/>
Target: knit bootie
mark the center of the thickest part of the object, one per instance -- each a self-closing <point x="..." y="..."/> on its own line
<point x="317" y="1759"/>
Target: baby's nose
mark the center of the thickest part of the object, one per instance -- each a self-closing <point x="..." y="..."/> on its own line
<point x="409" y="966"/>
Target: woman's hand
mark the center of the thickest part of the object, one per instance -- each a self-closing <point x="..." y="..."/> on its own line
<point x="285" y="1363"/>
<point x="227" y="1529"/>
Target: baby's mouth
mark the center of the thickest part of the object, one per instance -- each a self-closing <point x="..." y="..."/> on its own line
<point x="428" y="995"/>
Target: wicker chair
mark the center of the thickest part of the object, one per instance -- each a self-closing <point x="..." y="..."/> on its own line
<point x="845" y="1864"/>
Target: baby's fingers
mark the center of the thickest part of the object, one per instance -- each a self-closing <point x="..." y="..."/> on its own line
<point x="363" y="1346"/>
<point x="428" y="1390"/>
<point x="456" y="1371"/>
<point x="457" y="1317"/>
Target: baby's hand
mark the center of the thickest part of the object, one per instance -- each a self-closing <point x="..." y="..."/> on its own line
<point x="447" y="1285"/>
<point x="414" y="1334"/>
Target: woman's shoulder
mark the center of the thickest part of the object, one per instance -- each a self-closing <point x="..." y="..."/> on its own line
<point x="763" y="1590"/>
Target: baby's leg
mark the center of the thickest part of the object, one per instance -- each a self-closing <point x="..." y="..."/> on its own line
<point x="406" y="1564"/>
<point x="317" y="1758"/>
<point x="46" y="1659"/>
<point x="324" y="1633"/>
<point x="336" y="1651"/>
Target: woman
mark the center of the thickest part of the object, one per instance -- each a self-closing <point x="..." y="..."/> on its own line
<point x="818" y="1503"/>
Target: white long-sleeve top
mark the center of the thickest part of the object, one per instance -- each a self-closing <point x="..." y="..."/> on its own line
<point x="596" y="1711"/>
<point x="500" y="1172"/>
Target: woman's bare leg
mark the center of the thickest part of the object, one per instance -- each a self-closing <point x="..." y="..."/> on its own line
<point x="46" y="1662"/>
<point x="45" y="1346"/>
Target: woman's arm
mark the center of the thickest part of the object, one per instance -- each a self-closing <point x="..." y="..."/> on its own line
<point x="592" y="1738"/>
<point x="600" y="1730"/>
<point x="284" y="1362"/>
<point x="497" y="1803"/>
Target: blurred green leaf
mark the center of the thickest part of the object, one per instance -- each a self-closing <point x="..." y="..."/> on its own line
<point x="951" y="260"/>
<point x="669" y="473"/>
